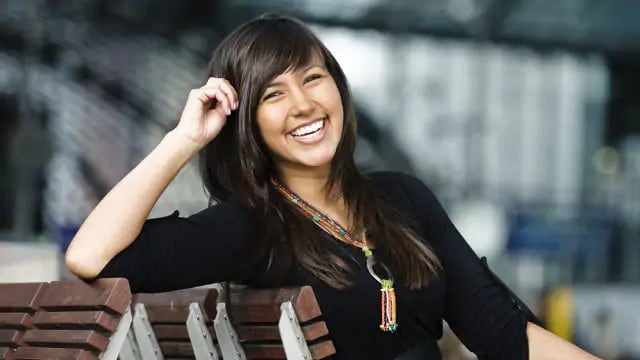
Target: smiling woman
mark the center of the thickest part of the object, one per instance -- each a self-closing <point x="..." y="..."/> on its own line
<point x="275" y="129"/>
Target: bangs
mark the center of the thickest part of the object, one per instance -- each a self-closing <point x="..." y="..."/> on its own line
<point x="280" y="48"/>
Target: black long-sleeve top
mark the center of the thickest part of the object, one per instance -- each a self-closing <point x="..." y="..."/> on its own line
<point x="174" y="252"/>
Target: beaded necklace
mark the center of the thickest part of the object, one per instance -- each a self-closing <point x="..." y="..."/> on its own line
<point x="329" y="225"/>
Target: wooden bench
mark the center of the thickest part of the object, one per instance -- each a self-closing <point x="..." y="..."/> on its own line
<point x="262" y="324"/>
<point x="64" y="320"/>
<point x="73" y="320"/>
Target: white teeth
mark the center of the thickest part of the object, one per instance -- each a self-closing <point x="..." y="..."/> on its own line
<point x="309" y="129"/>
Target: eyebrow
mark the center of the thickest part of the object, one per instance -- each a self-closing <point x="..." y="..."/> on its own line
<point x="305" y="69"/>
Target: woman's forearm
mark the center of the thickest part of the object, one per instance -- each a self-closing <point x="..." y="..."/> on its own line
<point x="544" y="345"/>
<point x="118" y="218"/>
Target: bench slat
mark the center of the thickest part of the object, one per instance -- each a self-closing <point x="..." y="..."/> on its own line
<point x="72" y="320"/>
<point x="11" y="338"/>
<point x="263" y="305"/>
<point x="171" y="332"/>
<point x="176" y="349"/>
<point x="19" y="297"/>
<point x="108" y="294"/>
<point x="80" y="339"/>
<point x="276" y="351"/>
<point x="6" y="353"/>
<point x="167" y="314"/>
<point x="264" y="351"/>
<point x="178" y="297"/>
<point x="322" y="350"/>
<point x="311" y="332"/>
<point x="173" y="307"/>
<point x="43" y="353"/>
<point x="16" y="321"/>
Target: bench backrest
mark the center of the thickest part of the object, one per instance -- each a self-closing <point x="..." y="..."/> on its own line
<point x="261" y="321"/>
<point x="64" y="319"/>
<point x="167" y="314"/>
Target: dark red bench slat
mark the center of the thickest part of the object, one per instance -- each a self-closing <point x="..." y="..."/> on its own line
<point x="276" y="351"/>
<point x="16" y="321"/>
<point x="171" y="332"/>
<point x="43" y="353"/>
<point x="173" y="307"/>
<point x="75" y="320"/>
<point x="263" y="305"/>
<point x="177" y="349"/>
<point x="112" y="295"/>
<point x="19" y="297"/>
<point x="167" y="314"/>
<point x="6" y="353"/>
<point x="311" y="332"/>
<point x="80" y="339"/>
<point x="11" y="338"/>
<point x="264" y="351"/>
<point x="177" y="298"/>
<point x="322" y="350"/>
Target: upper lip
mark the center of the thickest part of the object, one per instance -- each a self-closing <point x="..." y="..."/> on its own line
<point x="306" y="123"/>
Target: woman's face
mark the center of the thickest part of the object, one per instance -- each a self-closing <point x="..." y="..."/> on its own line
<point x="300" y="117"/>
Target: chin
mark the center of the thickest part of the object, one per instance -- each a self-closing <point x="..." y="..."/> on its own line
<point x="316" y="160"/>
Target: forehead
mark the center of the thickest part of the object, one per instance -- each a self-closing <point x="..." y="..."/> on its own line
<point x="314" y="61"/>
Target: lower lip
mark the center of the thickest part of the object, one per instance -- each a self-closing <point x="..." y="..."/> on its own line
<point x="313" y="139"/>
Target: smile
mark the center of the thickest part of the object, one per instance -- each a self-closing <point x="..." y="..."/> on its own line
<point x="310" y="129"/>
<point x="310" y="134"/>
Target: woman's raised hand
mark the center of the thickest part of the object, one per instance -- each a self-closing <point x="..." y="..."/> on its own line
<point x="206" y="111"/>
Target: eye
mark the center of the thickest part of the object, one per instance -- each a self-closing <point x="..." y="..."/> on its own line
<point x="271" y="95"/>
<point x="312" y="77"/>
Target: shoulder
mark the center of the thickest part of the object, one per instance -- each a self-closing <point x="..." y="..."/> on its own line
<point x="408" y="194"/>
<point x="398" y="184"/>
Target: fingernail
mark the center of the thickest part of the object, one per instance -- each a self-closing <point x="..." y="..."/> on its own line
<point x="236" y="104"/>
<point x="228" y="112"/>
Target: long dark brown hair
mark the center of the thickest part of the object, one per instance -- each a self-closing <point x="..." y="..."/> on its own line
<point x="238" y="164"/>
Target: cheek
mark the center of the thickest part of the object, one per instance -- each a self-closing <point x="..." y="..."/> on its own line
<point x="336" y="101"/>
<point x="270" y="125"/>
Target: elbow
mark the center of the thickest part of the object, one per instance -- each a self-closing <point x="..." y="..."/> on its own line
<point x="80" y="264"/>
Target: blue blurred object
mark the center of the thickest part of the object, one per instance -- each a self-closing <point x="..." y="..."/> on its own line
<point x="584" y="243"/>
<point x="64" y="234"/>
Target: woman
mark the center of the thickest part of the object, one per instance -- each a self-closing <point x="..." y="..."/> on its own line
<point x="384" y="260"/>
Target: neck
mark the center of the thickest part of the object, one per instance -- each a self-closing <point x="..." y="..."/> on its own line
<point x="309" y="183"/>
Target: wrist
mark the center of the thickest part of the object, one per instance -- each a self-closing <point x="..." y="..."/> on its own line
<point x="182" y="143"/>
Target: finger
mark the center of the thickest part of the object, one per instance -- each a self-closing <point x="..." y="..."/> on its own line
<point x="229" y="94"/>
<point x="223" y="101"/>
<point x="226" y="86"/>
<point x="212" y="81"/>
<point x="213" y="96"/>
<point x="204" y="94"/>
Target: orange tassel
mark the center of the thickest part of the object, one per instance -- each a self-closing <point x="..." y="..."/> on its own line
<point x="388" y="304"/>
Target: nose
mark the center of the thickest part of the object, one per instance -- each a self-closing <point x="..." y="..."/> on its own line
<point x="302" y="103"/>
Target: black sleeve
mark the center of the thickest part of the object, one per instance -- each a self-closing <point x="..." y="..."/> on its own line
<point x="483" y="312"/>
<point x="174" y="252"/>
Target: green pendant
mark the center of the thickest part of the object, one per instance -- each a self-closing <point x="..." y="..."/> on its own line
<point x="367" y="252"/>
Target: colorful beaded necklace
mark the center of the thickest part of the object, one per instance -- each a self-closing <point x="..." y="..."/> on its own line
<point x="326" y="223"/>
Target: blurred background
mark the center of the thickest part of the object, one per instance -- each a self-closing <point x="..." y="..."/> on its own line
<point x="522" y="115"/>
